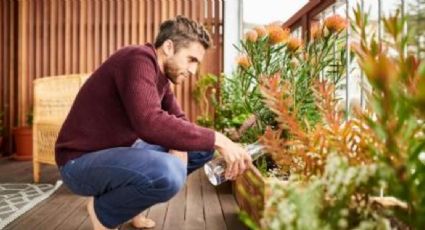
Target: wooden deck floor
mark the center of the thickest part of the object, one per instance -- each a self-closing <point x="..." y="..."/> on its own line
<point x="198" y="206"/>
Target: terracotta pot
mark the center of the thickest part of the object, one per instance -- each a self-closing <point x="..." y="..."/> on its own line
<point x="23" y="143"/>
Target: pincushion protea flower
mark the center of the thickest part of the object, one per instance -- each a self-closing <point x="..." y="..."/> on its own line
<point x="335" y="23"/>
<point x="316" y="31"/>
<point x="277" y="34"/>
<point x="261" y="31"/>
<point x="294" y="44"/>
<point x="251" y="36"/>
<point x="243" y="61"/>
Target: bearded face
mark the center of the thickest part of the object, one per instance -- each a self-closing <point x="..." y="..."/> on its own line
<point x="175" y="71"/>
<point x="183" y="63"/>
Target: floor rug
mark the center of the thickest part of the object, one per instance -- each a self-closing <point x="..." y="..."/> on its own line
<point x="16" y="199"/>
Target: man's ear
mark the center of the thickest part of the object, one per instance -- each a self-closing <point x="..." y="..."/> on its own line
<point x="168" y="48"/>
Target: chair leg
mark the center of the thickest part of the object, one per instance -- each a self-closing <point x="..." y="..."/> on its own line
<point x="36" y="171"/>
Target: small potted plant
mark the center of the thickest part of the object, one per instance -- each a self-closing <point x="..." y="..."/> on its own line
<point x="23" y="140"/>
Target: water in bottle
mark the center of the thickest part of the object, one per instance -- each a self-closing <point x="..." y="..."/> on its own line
<point x="215" y="169"/>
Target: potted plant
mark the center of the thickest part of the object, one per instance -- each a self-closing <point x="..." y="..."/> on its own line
<point x="271" y="53"/>
<point x="23" y="140"/>
<point x="341" y="167"/>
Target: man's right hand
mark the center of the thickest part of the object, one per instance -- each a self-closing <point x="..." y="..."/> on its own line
<point x="236" y="157"/>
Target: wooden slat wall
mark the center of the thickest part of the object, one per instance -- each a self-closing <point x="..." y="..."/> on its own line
<point x="8" y="66"/>
<point x="75" y="36"/>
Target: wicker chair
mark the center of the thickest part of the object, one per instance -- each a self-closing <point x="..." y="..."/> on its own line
<point x="53" y="97"/>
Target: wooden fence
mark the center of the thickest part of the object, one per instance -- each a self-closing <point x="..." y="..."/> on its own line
<point x="40" y="38"/>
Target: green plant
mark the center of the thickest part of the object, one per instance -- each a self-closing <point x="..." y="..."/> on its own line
<point x="397" y="105"/>
<point x="229" y="110"/>
<point x="330" y="201"/>
<point x="204" y="94"/>
<point x="30" y="117"/>
<point x="268" y="50"/>
<point x="339" y="165"/>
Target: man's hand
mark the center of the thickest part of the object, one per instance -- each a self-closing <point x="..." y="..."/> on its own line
<point x="179" y="154"/>
<point x="236" y="157"/>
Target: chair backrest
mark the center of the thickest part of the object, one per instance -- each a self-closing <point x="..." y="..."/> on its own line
<point x="53" y="98"/>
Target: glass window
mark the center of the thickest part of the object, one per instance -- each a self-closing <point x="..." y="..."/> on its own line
<point x="277" y="10"/>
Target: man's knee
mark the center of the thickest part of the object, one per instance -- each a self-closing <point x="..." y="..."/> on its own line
<point x="172" y="178"/>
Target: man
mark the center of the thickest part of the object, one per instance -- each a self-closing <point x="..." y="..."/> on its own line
<point x="126" y="142"/>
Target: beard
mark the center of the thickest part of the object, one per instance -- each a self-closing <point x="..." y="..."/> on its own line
<point x="173" y="72"/>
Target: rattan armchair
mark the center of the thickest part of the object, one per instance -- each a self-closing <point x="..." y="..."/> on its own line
<point x="53" y="98"/>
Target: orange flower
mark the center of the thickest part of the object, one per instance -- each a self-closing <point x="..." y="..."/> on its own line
<point x="251" y="36"/>
<point x="261" y="31"/>
<point x="335" y="23"/>
<point x="294" y="44"/>
<point x="277" y="34"/>
<point x="316" y="31"/>
<point x="243" y="61"/>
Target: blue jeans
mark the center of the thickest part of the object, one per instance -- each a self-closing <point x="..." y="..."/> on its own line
<point x="124" y="181"/>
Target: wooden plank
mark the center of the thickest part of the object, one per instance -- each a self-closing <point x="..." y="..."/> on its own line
<point x="67" y="43"/>
<point x="126" y="24"/>
<point x="60" y="54"/>
<point x="52" y="38"/>
<point x="179" y="7"/>
<point x="214" y="218"/>
<point x="157" y="18"/>
<point x="104" y="36"/>
<point x="217" y="36"/>
<point x="112" y="22"/>
<point x="75" y="44"/>
<point x="176" y="211"/>
<point x="82" y="48"/>
<point x="31" y="49"/>
<point x="69" y="203"/>
<point x="11" y="28"/>
<point x="142" y="21"/>
<point x="158" y="213"/>
<point x="163" y="11"/>
<point x="91" y="54"/>
<point x="86" y="225"/>
<point x="149" y="23"/>
<point x="119" y="27"/>
<point x="133" y="22"/>
<point x="3" y="54"/>
<point x="97" y="32"/>
<point x="194" y="216"/>
<point x="229" y="207"/>
<point x="76" y="217"/>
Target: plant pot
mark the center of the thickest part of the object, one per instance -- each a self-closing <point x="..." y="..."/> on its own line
<point x="23" y="143"/>
<point x="252" y="190"/>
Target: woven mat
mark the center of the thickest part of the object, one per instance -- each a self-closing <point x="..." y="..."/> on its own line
<point x="16" y="199"/>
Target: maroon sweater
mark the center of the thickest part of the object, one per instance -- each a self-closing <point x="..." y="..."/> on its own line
<point x="126" y="98"/>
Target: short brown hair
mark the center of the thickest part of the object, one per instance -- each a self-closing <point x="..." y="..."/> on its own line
<point x="182" y="31"/>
